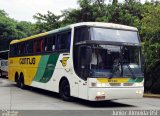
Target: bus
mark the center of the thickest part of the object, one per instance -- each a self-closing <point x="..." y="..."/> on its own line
<point x="3" y="68"/>
<point x="93" y="61"/>
<point x="4" y="63"/>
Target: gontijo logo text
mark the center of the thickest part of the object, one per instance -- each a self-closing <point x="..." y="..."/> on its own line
<point x="27" y="60"/>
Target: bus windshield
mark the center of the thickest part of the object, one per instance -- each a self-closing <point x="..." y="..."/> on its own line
<point x="113" y="53"/>
<point x="110" y="61"/>
<point x="114" y="35"/>
<point x="115" y="61"/>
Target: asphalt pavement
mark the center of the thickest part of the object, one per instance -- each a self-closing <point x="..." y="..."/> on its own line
<point x="34" y="102"/>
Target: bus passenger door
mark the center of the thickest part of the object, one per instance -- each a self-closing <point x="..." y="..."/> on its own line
<point x="83" y="89"/>
<point x="83" y="66"/>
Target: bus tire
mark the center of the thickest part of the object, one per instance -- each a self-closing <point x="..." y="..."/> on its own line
<point x="1" y="73"/>
<point x="16" y="79"/>
<point x="21" y="81"/>
<point x="64" y="90"/>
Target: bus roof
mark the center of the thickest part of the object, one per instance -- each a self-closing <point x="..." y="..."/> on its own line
<point x="106" y="25"/>
<point x="40" y="35"/>
<point x="95" y="24"/>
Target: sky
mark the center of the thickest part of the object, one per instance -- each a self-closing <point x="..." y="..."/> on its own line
<point x="23" y="10"/>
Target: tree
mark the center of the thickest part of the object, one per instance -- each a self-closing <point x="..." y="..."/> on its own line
<point x="47" y="21"/>
<point x="2" y="13"/>
<point x="151" y="20"/>
<point x="114" y="1"/>
<point x="11" y="29"/>
<point x="150" y="31"/>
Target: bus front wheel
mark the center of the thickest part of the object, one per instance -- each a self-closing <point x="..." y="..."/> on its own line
<point x="65" y="90"/>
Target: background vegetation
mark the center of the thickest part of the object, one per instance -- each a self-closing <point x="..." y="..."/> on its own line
<point x="146" y="17"/>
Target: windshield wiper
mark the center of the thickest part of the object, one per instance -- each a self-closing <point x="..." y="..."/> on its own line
<point x="115" y="69"/>
<point x="130" y="69"/>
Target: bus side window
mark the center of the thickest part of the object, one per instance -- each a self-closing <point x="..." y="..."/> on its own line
<point x="38" y="46"/>
<point x="21" y="49"/>
<point x="29" y="47"/>
<point x="41" y="45"/>
<point x="50" y="43"/>
<point x="64" y="41"/>
<point x="13" y="50"/>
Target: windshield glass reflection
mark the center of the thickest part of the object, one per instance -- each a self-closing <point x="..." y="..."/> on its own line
<point x="111" y="61"/>
<point x="114" y="35"/>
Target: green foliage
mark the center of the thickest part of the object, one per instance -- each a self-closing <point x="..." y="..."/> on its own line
<point x="46" y="22"/>
<point x="151" y="20"/>
<point x="26" y="28"/>
<point x="11" y="29"/>
<point x="3" y="13"/>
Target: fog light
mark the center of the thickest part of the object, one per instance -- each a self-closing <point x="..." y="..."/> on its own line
<point x="139" y="92"/>
<point x="100" y="93"/>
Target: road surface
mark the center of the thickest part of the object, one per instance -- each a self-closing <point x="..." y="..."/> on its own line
<point x="14" y="98"/>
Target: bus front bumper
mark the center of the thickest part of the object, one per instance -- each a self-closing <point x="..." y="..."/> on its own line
<point x="100" y="94"/>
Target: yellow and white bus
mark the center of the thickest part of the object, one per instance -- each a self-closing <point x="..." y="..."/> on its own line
<point x="89" y="60"/>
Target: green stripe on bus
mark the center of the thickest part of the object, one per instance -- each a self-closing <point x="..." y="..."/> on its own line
<point x="41" y="67"/>
<point x="52" y="61"/>
<point x="138" y="79"/>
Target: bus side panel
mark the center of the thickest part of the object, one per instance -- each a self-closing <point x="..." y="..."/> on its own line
<point x="12" y="68"/>
<point x="26" y="65"/>
<point x="28" y="73"/>
<point x="43" y="76"/>
<point x="46" y="72"/>
<point x="63" y="68"/>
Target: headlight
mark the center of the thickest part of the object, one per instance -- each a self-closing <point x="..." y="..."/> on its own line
<point x="94" y="84"/>
<point x="101" y="84"/>
<point x="138" y="84"/>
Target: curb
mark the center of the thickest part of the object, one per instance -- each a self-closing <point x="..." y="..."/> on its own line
<point x="152" y="95"/>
